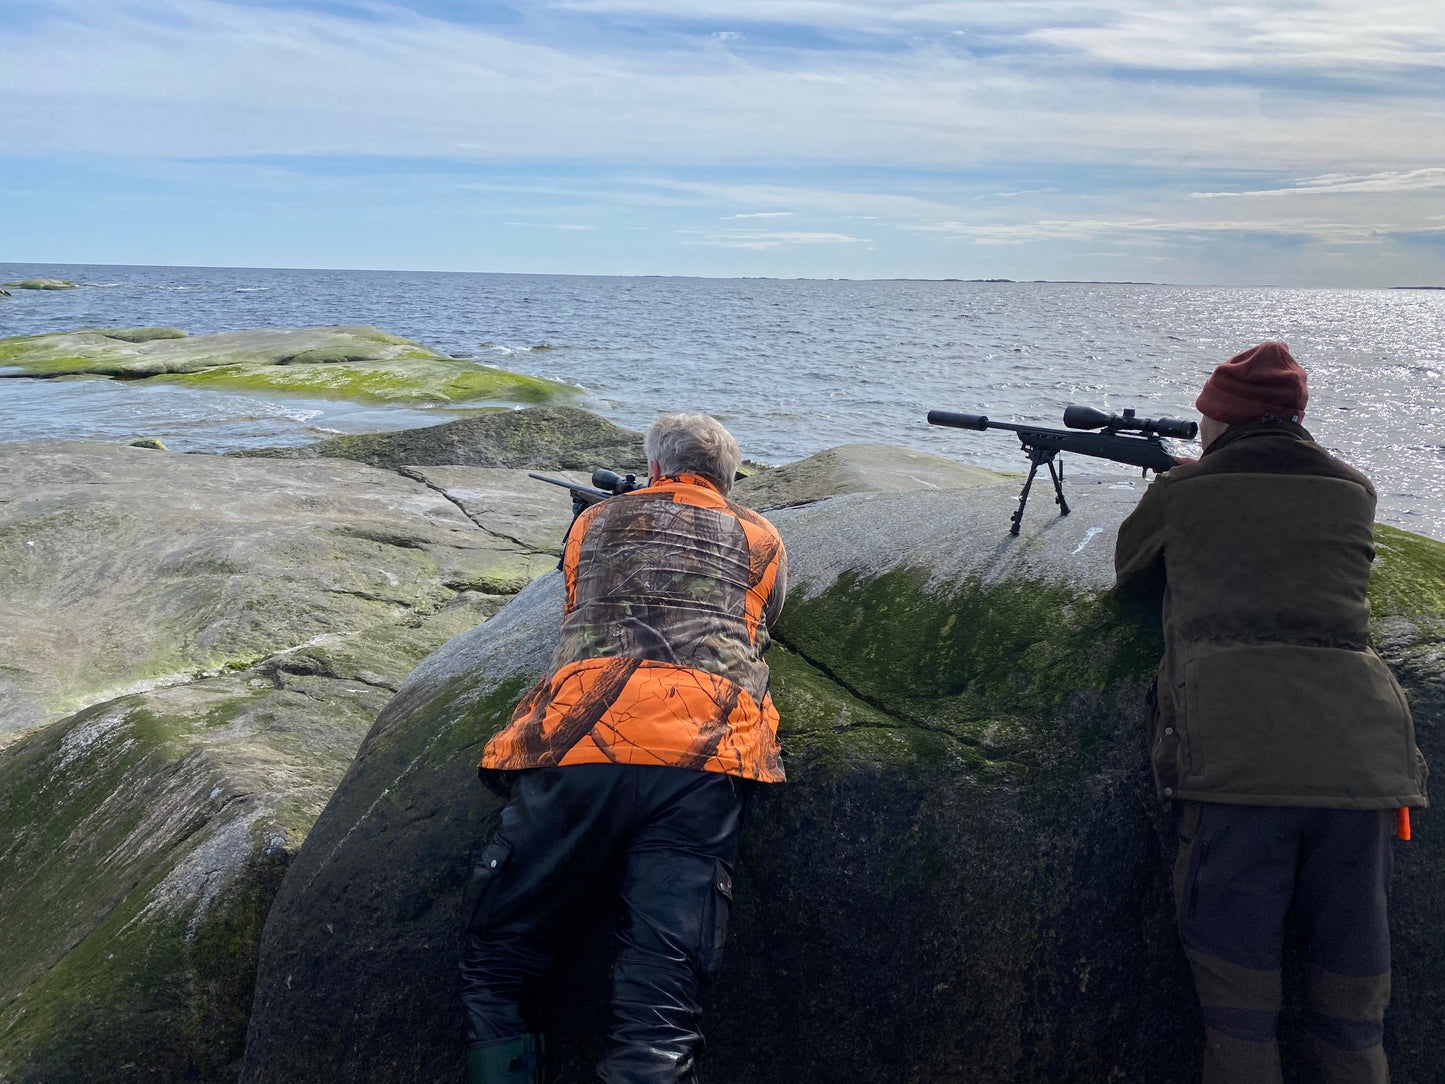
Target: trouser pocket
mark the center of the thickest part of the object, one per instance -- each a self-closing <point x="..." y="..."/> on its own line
<point x="717" y="906"/>
<point x="1188" y="857"/>
<point x="1196" y="868"/>
<point x="477" y="899"/>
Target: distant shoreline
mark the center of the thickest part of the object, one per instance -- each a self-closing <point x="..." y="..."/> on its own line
<point x="724" y="278"/>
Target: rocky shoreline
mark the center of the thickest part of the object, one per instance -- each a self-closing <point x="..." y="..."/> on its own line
<point x="242" y="696"/>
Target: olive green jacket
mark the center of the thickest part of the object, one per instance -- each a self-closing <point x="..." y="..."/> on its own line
<point x="1270" y="692"/>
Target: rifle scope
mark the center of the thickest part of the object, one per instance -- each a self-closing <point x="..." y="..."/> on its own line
<point x="615" y="483"/>
<point x="1086" y="417"/>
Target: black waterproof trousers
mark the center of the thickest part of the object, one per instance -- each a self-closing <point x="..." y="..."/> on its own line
<point x="1240" y="872"/>
<point x="668" y="839"/>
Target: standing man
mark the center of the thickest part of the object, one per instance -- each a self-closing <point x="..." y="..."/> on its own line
<point x="630" y="763"/>
<point x="1277" y="727"/>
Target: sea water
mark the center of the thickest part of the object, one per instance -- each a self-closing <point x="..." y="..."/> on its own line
<point x="791" y="366"/>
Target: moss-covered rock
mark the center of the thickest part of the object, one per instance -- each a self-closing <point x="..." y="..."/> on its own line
<point x="356" y="363"/>
<point x="146" y="838"/>
<point x="40" y="284"/>
<point x="231" y="628"/>
<point x="143" y="334"/>
<point x="965" y="878"/>
<point x="540" y="438"/>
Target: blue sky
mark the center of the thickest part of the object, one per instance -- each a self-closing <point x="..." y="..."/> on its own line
<point x="1291" y="141"/>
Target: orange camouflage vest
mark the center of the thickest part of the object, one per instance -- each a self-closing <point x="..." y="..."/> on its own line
<point x="670" y="592"/>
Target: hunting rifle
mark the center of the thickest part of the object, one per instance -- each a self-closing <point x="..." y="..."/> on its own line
<point x="1041" y="445"/>
<point x="605" y="483"/>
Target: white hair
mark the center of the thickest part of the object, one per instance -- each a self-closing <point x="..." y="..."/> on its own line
<point x="694" y="444"/>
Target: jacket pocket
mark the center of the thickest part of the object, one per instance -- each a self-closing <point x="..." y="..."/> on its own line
<point x="1285" y="722"/>
<point x="477" y="899"/>
<point x="716" y="910"/>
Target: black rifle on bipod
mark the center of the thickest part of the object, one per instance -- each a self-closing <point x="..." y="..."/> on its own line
<point x="1041" y="444"/>
<point x="605" y="483"/>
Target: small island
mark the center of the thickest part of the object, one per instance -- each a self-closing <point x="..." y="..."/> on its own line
<point x="357" y="363"/>
<point x="40" y="284"/>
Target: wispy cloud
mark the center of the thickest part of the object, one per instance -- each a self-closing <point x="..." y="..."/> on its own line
<point x="1122" y="229"/>
<point x="1413" y="180"/>
<point x="768" y="239"/>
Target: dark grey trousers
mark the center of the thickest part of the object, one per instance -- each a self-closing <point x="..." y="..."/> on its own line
<point x="1241" y="870"/>
<point x="667" y="838"/>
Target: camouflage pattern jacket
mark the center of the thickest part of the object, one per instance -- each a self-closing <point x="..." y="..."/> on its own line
<point x="670" y="593"/>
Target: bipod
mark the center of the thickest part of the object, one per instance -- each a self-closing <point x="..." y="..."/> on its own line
<point x="1037" y="457"/>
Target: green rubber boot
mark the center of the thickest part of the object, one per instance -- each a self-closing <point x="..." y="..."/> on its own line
<point x="517" y="1060"/>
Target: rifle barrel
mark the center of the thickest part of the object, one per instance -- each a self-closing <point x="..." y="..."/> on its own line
<point x="587" y="493"/>
<point x="959" y="421"/>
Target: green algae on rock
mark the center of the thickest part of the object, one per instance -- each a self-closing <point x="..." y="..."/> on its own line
<point x="356" y="363"/>
<point x="147" y="838"/>
<point x="40" y="284"/>
<point x="127" y="566"/>
<point x="409" y="379"/>
<point x="539" y="438"/>
<point x="143" y="334"/>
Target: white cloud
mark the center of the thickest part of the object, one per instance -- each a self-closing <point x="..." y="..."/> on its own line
<point x="767" y="239"/>
<point x="869" y="204"/>
<point x="1413" y="180"/>
<point x="1125" y="229"/>
<point x="1187" y="34"/>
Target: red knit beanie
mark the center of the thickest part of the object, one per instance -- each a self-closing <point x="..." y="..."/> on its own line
<point x="1262" y="380"/>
